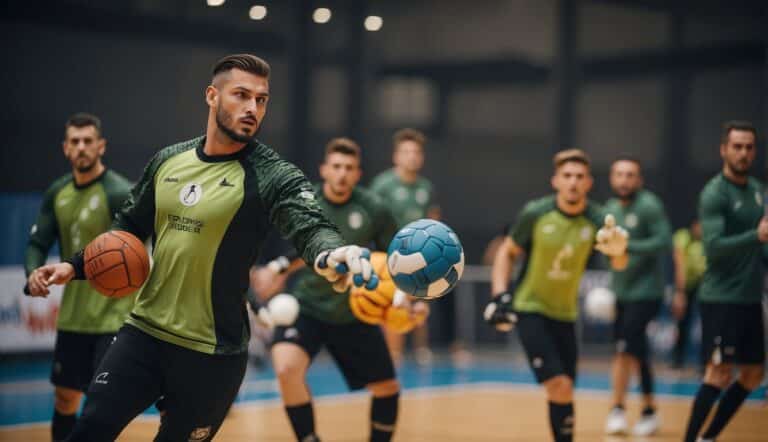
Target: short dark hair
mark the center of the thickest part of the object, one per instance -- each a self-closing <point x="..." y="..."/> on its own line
<point x="344" y="146"/>
<point x="570" y="156"/>
<point x="244" y="62"/>
<point x="409" y="134"/>
<point x="732" y="125"/>
<point x="630" y="158"/>
<point x="83" y="119"/>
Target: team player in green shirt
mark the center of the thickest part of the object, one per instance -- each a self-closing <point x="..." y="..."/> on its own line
<point x="557" y="234"/>
<point x="325" y="318"/>
<point x="76" y="208"/>
<point x="639" y="290"/>
<point x="735" y="233"/>
<point x="410" y="196"/>
<point x="207" y="204"/>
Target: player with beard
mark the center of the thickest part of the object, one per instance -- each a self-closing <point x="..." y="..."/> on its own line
<point x="557" y="233"/>
<point x="207" y="203"/>
<point x="734" y="233"/>
<point x="76" y="208"/>
<point x="639" y="290"/>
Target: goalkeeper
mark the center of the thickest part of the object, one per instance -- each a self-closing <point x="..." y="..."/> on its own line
<point x="325" y="317"/>
<point x="557" y="233"/>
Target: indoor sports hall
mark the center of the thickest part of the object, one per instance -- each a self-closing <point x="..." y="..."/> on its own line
<point x="588" y="175"/>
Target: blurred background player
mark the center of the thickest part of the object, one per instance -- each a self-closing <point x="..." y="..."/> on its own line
<point x="209" y="203"/>
<point x="639" y="290"/>
<point x="734" y="231"/>
<point x="409" y="196"/>
<point x="557" y="234"/>
<point x="690" y="265"/>
<point x="76" y="208"/>
<point x="325" y="318"/>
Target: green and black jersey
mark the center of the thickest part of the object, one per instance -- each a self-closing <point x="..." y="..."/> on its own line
<point x="364" y="220"/>
<point x="208" y="216"/>
<point x="649" y="240"/>
<point x="729" y="215"/>
<point x="407" y="201"/>
<point x="557" y="246"/>
<point x="75" y="215"/>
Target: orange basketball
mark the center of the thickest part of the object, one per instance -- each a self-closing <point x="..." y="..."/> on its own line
<point x="116" y="263"/>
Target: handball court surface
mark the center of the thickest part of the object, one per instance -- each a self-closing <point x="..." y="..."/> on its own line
<point x="494" y="398"/>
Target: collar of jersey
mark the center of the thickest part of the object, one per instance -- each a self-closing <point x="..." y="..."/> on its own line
<point x="202" y="156"/>
<point x="89" y="183"/>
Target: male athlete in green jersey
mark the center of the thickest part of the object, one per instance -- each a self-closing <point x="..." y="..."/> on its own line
<point x="325" y="318"/>
<point x="639" y="289"/>
<point x="557" y="233"/>
<point x="409" y="196"/>
<point x="207" y="203"/>
<point x="76" y="208"/>
<point x="734" y="231"/>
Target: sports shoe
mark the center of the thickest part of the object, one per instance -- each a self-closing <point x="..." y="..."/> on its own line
<point x="616" y="422"/>
<point x="647" y="425"/>
<point x="701" y="439"/>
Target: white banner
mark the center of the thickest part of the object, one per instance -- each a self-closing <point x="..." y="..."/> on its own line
<point x="26" y="323"/>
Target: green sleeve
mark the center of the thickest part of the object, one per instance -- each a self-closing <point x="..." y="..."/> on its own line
<point x="377" y="184"/>
<point x="118" y="189"/>
<point x="44" y="233"/>
<point x="660" y="235"/>
<point x="522" y="231"/>
<point x="711" y="208"/>
<point x="137" y="214"/>
<point x="386" y="227"/>
<point x="294" y="211"/>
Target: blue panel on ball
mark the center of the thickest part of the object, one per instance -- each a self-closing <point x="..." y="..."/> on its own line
<point x="405" y="283"/>
<point x="437" y="269"/>
<point x="431" y="251"/>
<point x="452" y="254"/>
<point x="417" y="241"/>
<point x="421" y="293"/>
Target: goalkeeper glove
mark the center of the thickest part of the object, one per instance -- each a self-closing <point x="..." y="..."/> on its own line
<point x="498" y="313"/>
<point x="347" y="265"/>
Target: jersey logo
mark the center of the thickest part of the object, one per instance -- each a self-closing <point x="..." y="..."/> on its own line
<point x="737" y="205"/>
<point x="63" y="202"/>
<point x="422" y="196"/>
<point x="758" y="199"/>
<point x="401" y="193"/>
<point x="191" y="194"/>
<point x="171" y="180"/>
<point x="548" y="228"/>
<point x="355" y="220"/>
<point x="101" y="378"/>
<point x="307" y="195"/>
<point x="631" y="220"/>
<point x="225" y="183"/>
<point x="586" y="233"/>
<point x="556" y="272"/>
<point x="200" y="433"/>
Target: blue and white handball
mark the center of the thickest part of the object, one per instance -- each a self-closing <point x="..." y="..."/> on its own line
<point x="425" y="259"/>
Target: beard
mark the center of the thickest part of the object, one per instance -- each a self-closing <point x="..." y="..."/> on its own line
<point x="739" y="168"/>
<point x="84" y="167"/>
<point x="223" y="122"/>
<point x="625" y="194"/>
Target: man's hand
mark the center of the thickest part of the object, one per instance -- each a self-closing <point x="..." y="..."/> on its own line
<point x="42" y="277"/>
<point x="345" y="266"/>
<point x="611" y="239"/>
<point x="762" y="230"/>
<point x="498" y="313"/>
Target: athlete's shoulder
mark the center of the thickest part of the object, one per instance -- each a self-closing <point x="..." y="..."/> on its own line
<point x="714" y="189"/>
<point x="112" y="178"/>
<point x="384" y="178"/>
<point x="539" y="206"/>
<point x="595" y="212"/>
<point x="424" y="182"/>
<point x="368" y="198"/>
<point x="756" y="184"/>
<point x="178" y="148"/>
<point x="650" y="200"/>
<point x="58" y="184"/>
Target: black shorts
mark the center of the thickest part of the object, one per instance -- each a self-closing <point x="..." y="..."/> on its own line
<point x="629" y="328"/>
<point x="198" y="389"/>
<point x="732" y="333"/>
<point x="76" y="356"/>
<point x="549" y="344"/>
<point x="359" y="349"/>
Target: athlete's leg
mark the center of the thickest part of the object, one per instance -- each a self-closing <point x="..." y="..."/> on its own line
<point x="384" y="407"/>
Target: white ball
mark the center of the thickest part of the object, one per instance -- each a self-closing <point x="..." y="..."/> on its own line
<point x="600" y="304"/>
<point x="284" y="309"/>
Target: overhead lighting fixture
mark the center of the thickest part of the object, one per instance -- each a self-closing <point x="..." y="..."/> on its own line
<point x="215" y="2"/>
<point x="257" y="12"/>
<point x="321" y="15"/>
<point x="373" y="23"/>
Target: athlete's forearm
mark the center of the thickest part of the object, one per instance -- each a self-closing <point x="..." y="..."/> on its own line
<point x="34" y="257"/>
<point x="724" y="246"/>
<point x="649" y="246"/>
<point x="679" y="259"/>
<point x="503" y="265"/>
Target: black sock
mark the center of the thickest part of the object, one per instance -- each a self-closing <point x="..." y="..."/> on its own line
<point x="730" y="402"/>
<point x="561" y="421"/>
<point x="302" y="419"/>
<point x="702" y="404"/>
<point x="648" y="410"/>
<point x="62" y="425"/>
<point x="383" y="417"/>
<point x="646" y="377"/>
